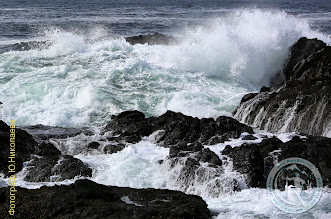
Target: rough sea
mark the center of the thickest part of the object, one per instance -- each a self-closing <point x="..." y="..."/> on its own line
<point x="89" y="72"/>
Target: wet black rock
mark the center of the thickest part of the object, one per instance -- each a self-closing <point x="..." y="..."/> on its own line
<point x="24" y="146"/>
<point x="176" y="128"/>
<point x="300" y="51"/>
<point x="130" y="125"/>
<point x="44" y="158"/>
<point x="47" y="149"/>
<point x="93" y="145"/>
<point x="113" y="148"/>
<point x="152" y="39"/>
<point x="195" y="151"/>
<point x="249" y="137"/>
<point x="302" y="103"/>
<point x="256" y="160"/>
<point x="87" y="199"/>
<point x="192" y="166"/>
<point x="248" y="160"/>
<point x="56" y="168"/>
<point x="25" y="46"/>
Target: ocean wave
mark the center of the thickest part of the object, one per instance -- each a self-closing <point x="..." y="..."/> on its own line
<point x="82" y="79"/>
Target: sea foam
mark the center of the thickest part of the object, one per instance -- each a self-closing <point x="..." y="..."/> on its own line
<point x="82" y="80"/>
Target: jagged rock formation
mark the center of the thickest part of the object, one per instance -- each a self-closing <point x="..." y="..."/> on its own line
<point x="45" y="161"/>
<point x="87" y="199"/>
<point x="256" y="160"/>
<point x="24" y="146"/>
<point x="190" y="164"/>
<point x="302" y="103"/>
<point x="176" y="128"/>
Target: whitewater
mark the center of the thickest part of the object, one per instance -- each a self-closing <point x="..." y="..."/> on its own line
<point x="82" y="79"/>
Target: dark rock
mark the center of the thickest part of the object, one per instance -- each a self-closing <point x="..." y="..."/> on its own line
<point x="196" y="151"/>
<point x="301" y="51"/>
<point x="174" y="128"/>
<point x="247" y="97"/>
<point x="227" y="150"/>
<point x="215" y="140"/>
<point x="113" y="148"/>
<point x="256" y="160"/>
<point x="152" y="39"/>
<point x="70" y="167"/>
<point x="181" y="128"/>
<point x="231" y="128"/>
<point x="55" y="168"/>
<point x="93" y="145"/>
<point x="131" y="125"/>
<point x="24" y="146"/>
<point x="207" y="156"/>
<point x="193" y="166"/>
<point x="249" y="137"/>
<point x="177" y="126"/>
<point x="25" y="46"/>
<point x="247" y="159"/>
<point x="87" y="199"/>
<point x="302" y="103"/>
<point x="130" y="137"/>
<point x="47" y="149"/>
<point x="265" y="89"/>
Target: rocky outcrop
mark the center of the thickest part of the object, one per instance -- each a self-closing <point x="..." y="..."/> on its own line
<point x="192" y="168"/>
<point x="152" y="39"/>
<point x="302" y="103"/>
<point x="24" y="146"/>
<point x="87" y="199"/>
<point x="24" y="46"/>
<point x="44" y="161"/>
<point x="256" y="160"/>
<point x="176" y="128"/>
<point x="55" y="168"/>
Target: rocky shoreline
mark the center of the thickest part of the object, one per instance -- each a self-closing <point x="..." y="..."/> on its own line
<point x="301" y="103"/>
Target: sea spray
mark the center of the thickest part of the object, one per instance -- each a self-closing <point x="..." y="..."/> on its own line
<point x="79" y="82"/>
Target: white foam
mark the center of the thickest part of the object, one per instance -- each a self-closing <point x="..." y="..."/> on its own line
<point x="136" y="166"/>
<point x="81" y="80"/>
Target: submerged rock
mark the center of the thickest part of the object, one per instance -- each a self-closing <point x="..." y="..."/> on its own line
<point x="302" y="103"/>
<point x="87" y="199"/>
<point x="42" y="132"/>
<point x="152" y="39"/>
<point x="25" y="46"/>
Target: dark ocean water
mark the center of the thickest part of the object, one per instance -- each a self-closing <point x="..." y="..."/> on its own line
<point x="21" y="20"/>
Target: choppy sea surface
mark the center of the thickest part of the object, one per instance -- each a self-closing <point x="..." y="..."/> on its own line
<point x="228" y="49"/>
